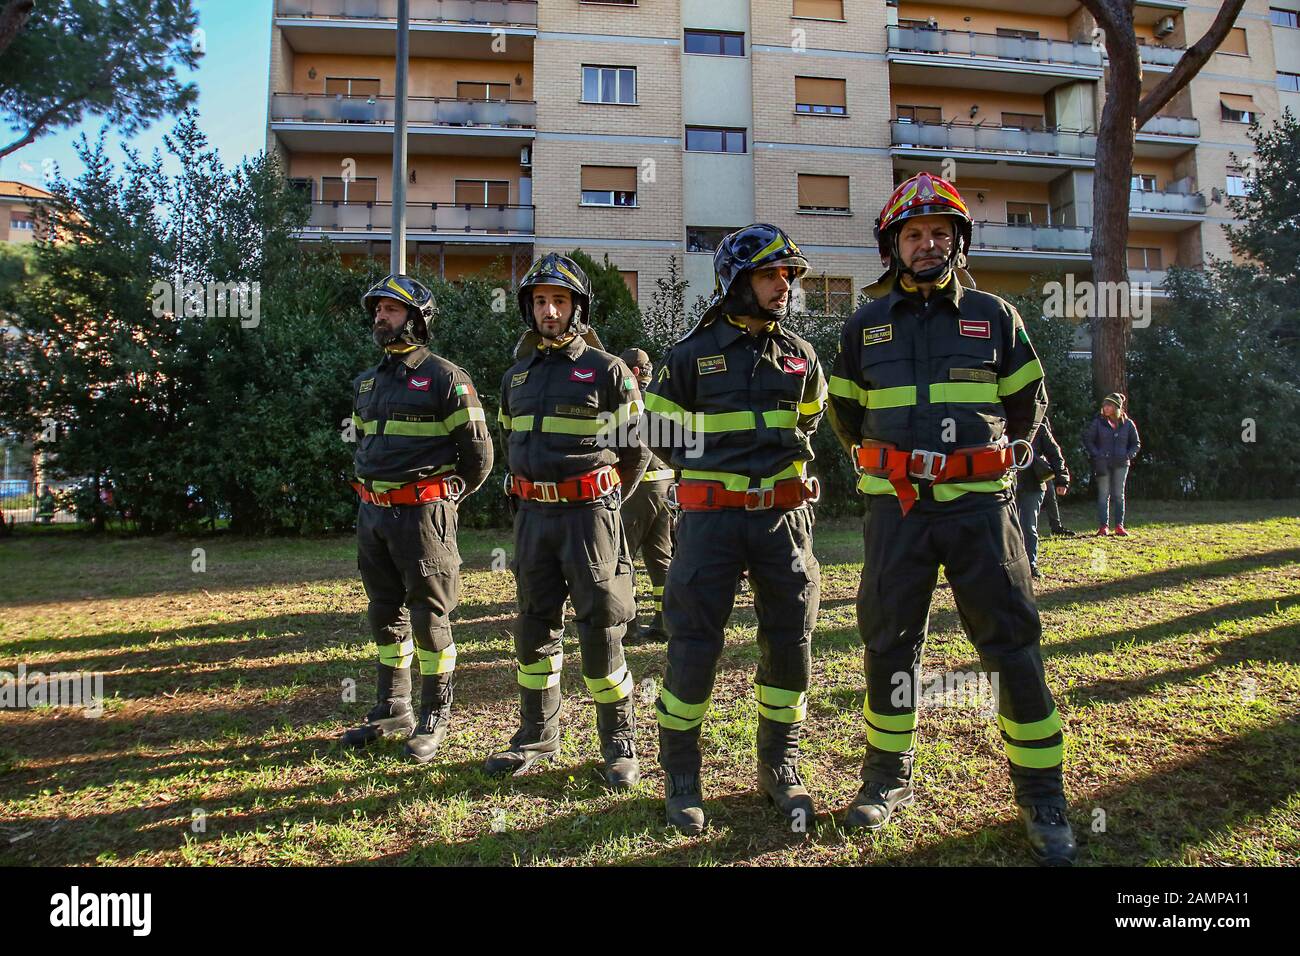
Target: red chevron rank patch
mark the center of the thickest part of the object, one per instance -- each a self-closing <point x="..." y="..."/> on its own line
<point x="582" y="375"/>
<point x="418" y="384"/>
<point x="794" y="365"/>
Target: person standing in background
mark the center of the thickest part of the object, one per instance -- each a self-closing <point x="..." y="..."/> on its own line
<point x="1112" y="442"/>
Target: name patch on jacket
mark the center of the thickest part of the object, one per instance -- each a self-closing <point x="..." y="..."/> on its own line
<point x="582" y="375"/>
<point x="518" y="379"/>
<point x="577" y="411"/>
<point x="972" y="375"/>
<point x="365" y="386"/>
<point x="877" y="334"/>
<point x="418" y="384"/>
<point x="794" y="365"/>
<point x="711" y="364"/>
<point x="974" y="328"/>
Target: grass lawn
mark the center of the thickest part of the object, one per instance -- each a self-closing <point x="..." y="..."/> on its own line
<point x="1174" y="656"/>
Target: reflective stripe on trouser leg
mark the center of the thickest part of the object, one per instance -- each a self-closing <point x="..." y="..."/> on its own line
<point x="437" y="662"/>
<point x="1035" y="746"/>
<point x="675" y="714"/>
<point x="397" y="655"/>
<point x="615" y="686"/>
<point x="783" y="706"/>
<point x="659" y="599"/>
<point x="893" y="733"/>
<point x="541" y="674"/>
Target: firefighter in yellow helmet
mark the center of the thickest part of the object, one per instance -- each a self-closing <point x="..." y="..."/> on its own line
<point x="935" y="393"/>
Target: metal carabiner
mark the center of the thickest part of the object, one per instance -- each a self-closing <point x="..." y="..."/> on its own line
<point x="1016" y="465"/>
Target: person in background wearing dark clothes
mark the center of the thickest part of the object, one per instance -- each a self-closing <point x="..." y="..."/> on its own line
<point x="1112" y="442"/>
<point x="1048" y="466"/>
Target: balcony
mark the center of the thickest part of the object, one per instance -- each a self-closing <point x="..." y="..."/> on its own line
<point x="1014" y="145"/>
<point x="319" y="122"/>
<point x="440" y="29"/>
<point x="1039" y="64"/>
<point x="1160" y="58"/>
<point x="490" y="12"/>
<point x="423" y="221"/>
<point x="1167" y="136"/>
<point x="1000" y="245"/>
<point x="1168" y="210"/>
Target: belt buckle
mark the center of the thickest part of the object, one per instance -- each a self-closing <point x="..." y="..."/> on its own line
<point x="550" y="490"/>
<point x="930" y="458"/>
<point x="813" y="490"/>
<point x="1028" y="458"/>
<point x="854" y="457"/>
<point x="759" y="499"/>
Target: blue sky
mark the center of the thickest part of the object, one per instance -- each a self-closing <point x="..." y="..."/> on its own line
<point x="231" y="80"/>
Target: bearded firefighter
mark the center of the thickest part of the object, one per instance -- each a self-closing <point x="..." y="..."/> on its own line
<point x="422" y="447"/>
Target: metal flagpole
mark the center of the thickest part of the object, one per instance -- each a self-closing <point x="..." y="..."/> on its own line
<point x="397" y="262"/>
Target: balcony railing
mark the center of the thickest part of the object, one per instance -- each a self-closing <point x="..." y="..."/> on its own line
<point x="1170" y="200"/>
<point x="993" y="139"/>
<point x="1004" y="236"/>
<point x="1172" y="126"/>
<point x="1160" y="55"/>
<point x="429" y="111"/>
<point x="506" y="12"/>
<point x="421" y="217"/>
<point x="964" y="43"/>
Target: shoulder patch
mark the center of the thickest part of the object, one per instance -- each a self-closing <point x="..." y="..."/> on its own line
<point x="366" y="385"/>
<point x="877" y="334"/>
<point x="711" y="364"/>
<point x="518" y="379"/>
<point x="464" y="390"/>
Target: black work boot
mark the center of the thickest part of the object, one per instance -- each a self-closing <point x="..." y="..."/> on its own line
<point x="778" y="773"/>
<point x="616" y="725"/>
<point x="392" y="716"/>
<point x="875" y="804"/>
<point x="683" y="802"/>
<point x="435" y="717"/>
<point x="537" y="738"/>
<point x="1050" y="838"/>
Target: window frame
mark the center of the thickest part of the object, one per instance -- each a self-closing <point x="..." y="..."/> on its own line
<point x="825" y="294"/>
<point x="1293" y="15"/>
<point x="726" y="132"/>
<point x="1294" y="79"/>
<point x="347" y="182"/>
<point x="350" y="80"/>
<point x="618" y="69"/>
<point x="487" y="185"/>
<point x="721" y="35"/>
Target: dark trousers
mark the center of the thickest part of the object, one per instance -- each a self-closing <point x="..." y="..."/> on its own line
<point x="648" y="523"/>
<point x="410" y="567"/>
<point x="713" y="547"/>
<point x="1052" y="508"/>
<point x="578" y="552"/>
<point x="1028" y="502"/>
<point x="979" y="545"/>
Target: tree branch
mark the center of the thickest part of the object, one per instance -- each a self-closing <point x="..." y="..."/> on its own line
<point x="1190" y="63"/>
<point x="39" y="124"/>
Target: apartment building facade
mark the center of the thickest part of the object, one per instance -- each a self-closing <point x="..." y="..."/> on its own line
<point x="647" y="129"/>
<point x="19" y="211"/>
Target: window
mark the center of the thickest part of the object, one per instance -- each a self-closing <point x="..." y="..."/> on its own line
<point x="819" y="9"/>
<point x="307" y="187"/>
<point x="706" y="238"/>
<point x="1027" y="214"/>
<point x="714" y="43"/>
<point x="470" y="90"/>
<point x="1234" y="42"/>
<point x="1144" y="260"/>
<point x="710" y="139"/>
<point x="334" y="189"/>
<point x="1018" y="34"/>
<point x="21" y="220"/>
<point x="1237" y="183"/>
<point x="920" y="114"/>
<point x="1143" y="183"/>
<point x="823" y="193"/>
<point x="630" y="280"/>
<point x="816" y="95"/>
<point x="609" y="84"/>
<point x="1288" y="82"/>
<point x="827" y="295"/>
<point x="482" y="192"/>
<point x="609" y="185"/>
<point x="1023" y="121"/>
<point x="918" y="24"/>
<point x="351" y="86"/>
<point x="1237" y="108"/>
<point x="1284" y="18"/>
